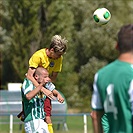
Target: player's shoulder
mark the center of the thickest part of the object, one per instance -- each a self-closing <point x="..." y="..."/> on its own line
<point x="27" y="84"/>
<point x="43" y="50"/>
<point x="107" y="67"/>
<point x="26" y="81"/>
<point x="40" y="52"/>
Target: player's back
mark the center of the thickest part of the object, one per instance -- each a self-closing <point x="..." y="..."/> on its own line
<point x="114" y="85"/>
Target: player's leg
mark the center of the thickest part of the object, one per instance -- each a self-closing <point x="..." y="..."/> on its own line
<point x="47" y="110"/>
<point x="21" y="117"/>
<point x="23" y="131"/>
<point x="50" y="126"/>
<point x="43" y="127"/>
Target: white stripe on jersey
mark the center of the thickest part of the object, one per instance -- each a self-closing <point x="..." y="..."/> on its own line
<point x="29" y="88"/>
<point x="130" y="92"/>
<point x="96" y="101"/>
<point x="40" y="108"/>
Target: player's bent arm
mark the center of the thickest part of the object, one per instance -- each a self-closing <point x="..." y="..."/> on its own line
<point x="34" y="92"/>
<point x="30" y="74"/>
<point x="44" y="90"/>
<point x="96" y="121"/>
<point x="58" y="95"/>
<point x="48" y="93"/>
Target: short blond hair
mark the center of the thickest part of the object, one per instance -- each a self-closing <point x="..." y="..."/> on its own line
<point x="59" y="44"/>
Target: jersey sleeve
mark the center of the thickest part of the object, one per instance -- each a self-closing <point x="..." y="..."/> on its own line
<point x="27" y="86"/>
<point x="35" y="60"/>
<point x="130" y="92"/>
<point x="96" y="101"/>
<point x="50" y="86"/>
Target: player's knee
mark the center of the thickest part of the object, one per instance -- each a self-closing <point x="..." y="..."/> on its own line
<point x="48" y="119"/>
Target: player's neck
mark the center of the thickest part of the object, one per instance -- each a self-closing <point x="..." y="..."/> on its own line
<point x="48" y="53"/>
<point x="126" y="57"/>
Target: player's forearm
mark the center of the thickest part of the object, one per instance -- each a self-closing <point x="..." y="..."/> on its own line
<point x="97" y="127"/>
<point x="96" y="120"/>
<point x="55" y="92"/>
<point x="34" y="92"/>
<point x="43" y="89"/>
<point x="30" y="76"/>
<point x="34" y="82"/>
<point x="58" y="95"/>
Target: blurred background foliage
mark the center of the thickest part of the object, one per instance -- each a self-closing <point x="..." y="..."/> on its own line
<point x="26" y="26"/>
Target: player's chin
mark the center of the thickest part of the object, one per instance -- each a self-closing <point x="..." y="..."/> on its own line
<point x="55" y="58"/>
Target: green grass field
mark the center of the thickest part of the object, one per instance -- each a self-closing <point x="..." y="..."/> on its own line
<point x="74" y="123"/>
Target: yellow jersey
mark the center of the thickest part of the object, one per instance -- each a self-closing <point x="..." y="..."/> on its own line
<point x="40" y="58"/>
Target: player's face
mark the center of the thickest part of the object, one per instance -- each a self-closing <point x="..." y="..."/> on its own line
<point x="56" y="55"/>
<point x="44" y="77"/>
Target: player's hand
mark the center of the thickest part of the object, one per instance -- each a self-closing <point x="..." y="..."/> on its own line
<point x="60" y="98"/>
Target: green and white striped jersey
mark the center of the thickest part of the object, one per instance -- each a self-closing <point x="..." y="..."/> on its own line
<point x="113" y="93"/>
<point x="34" y="108"/>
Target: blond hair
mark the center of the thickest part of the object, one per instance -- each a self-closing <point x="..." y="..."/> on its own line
<point x="58" y="44"/>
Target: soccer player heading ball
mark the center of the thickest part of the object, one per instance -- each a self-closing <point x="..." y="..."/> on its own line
<point x="51" y="59"/>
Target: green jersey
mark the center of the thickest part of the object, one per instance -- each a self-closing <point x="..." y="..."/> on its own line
<point x="34" y="108"/>
<point x="113" y="93"/>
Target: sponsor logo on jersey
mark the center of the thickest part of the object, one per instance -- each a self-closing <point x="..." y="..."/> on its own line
<point x="51" y="64"/>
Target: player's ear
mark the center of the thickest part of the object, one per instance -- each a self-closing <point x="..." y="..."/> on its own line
<point x="52" y="49"/>
<point x="36" y="76"/>
<point x="52" y="52"/>
<point x="117" y="47"/>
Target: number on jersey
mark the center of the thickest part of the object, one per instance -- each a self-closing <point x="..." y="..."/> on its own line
<point x="109" y="103"/>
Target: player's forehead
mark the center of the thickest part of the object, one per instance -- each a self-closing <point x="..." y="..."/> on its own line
<point x="45" y="73"/>
<point x="42" y="72"/>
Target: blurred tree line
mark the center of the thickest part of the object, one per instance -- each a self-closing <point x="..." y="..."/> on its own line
<point x="26" y="26"/>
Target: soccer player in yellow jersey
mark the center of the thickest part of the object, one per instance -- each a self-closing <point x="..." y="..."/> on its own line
<point x="51" y="59"/>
